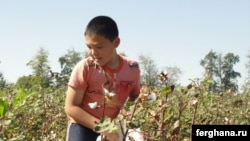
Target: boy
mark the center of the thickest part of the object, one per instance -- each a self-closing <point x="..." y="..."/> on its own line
<point x="103" y="71"/>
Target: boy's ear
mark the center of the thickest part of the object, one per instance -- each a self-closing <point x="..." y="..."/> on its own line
<point x="117" y="42"/>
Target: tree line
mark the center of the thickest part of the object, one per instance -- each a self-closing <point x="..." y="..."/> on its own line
<point x="218" y="71"/>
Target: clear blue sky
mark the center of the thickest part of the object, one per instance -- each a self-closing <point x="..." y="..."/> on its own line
<point x="172" y="32"/>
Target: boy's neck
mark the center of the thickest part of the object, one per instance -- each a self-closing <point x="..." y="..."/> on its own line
<point x="114" y="63"/>
<point x="116" y="67"/>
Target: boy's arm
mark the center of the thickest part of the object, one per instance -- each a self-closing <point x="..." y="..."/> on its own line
<point x="73" y="108"/>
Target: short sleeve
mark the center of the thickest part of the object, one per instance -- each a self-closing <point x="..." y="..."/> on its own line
<point x="78" y="76"/>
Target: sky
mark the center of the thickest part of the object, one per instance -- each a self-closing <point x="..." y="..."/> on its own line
<point x="172" y="32"/>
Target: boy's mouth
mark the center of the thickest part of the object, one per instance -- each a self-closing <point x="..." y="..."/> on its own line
<point x="97" y="59"/>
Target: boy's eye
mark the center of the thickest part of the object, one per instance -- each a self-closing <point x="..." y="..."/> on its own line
<point x="94" y="47"/>
<point x="88" y="47"/>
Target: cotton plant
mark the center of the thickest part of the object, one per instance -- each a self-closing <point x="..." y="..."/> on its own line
<point x="135" y="135"/>
<point x="118" y="125"/>
<point x="127" y="125"/>
<point x="151" y="97"/>
<point x="105" y="124"/>
<point x="125" y="134"/>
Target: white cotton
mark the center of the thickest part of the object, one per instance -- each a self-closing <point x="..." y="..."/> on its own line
<point x="106" y="91"/>
<point x="111" y="94"/>
<point x="136" y="134"/>
<point x="93" y="105"/>
<point x="151" y="97"/>
<point x="99" y="138"/>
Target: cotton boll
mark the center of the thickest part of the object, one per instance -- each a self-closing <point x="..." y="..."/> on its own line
<point x="99" y="138"/>
<point x="93" y="105"/>
<point x="151" y="97"/>
<point x="136" y="134"/>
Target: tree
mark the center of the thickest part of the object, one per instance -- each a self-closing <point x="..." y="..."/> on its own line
<point x="209" y="63"/>
<point x="149" y="71"/>
<point x="40" y="67"/>
<point x="67" y="63"/>
<point x="41" y="71"/>
<point x="2" y="81"/>
<point x="25" y="82"/>
<point x="220" y="70"/>
<point x="229" y="75"/>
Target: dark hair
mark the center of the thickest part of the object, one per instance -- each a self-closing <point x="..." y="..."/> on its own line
<point x="103" y="25"/>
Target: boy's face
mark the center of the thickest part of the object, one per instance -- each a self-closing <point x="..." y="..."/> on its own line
<point x="102" y="50"/>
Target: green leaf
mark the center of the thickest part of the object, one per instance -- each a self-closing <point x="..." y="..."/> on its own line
<point x="106" y="125"/>
<point x="3" y="107"/>
<point x="167" y="90"/>
<point x="19" y="97"/>
<point x="7" y="122"/>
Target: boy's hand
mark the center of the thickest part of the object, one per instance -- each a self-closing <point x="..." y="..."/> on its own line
<point x="111" y="136"/>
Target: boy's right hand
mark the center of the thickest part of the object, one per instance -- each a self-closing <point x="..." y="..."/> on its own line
<point x="111" y="136"/>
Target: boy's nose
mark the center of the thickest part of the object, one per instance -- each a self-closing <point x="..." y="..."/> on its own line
<point x="94" y="52"/>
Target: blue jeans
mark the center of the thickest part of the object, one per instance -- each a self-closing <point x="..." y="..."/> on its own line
<point x="77" y="132"/>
